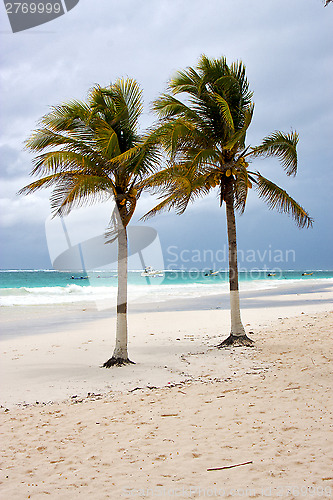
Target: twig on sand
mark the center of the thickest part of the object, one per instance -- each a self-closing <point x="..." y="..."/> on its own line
<point x="230" y="466"/>
<point x="143" y="388"/>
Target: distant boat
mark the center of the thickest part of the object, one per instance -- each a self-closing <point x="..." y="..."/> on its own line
<point x="307" y="274"/>
<point x="271" y="274"/>
<point x="106" y="277"/>
<point x="212" y="273"/>
<point x="79" y="278"/>
<point x="149" y="271"/>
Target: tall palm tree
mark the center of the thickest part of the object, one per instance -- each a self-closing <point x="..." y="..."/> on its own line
<point x="92" y="151"/>
<point x="204" y="135"/>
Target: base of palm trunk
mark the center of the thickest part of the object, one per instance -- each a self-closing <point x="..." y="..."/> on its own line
<point x="237" y="340"/>
<point x="117" y="362"/>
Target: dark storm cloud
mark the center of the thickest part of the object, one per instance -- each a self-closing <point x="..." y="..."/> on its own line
<point x="285" y="46"/>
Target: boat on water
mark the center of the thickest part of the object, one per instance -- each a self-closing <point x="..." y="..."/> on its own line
<point x="307" y="274"/>
<point x="151" y="272"/>
<point x="271" y="274"/>
<point x="212" y="273"/>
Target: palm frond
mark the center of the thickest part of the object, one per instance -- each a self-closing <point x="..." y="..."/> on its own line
<point x="62" y="161"/>
<point x="164" y="179"/>
<point x="165" y="205"/>
<point x="43" y="183"/>
<point x="132" y="95"/>
<point x="75" y="191"/>
<point x="226" y="82"/>
<point x="225" y="112"/>
<point x="68" y="117"/>
<point x="282" y="146"/>
<point x="188" y="81"/>
<point x="278" y="199"/>
<point x="168" y="106"/>
<point x="241" y="187"/>
<point x="238" y="70"/>
<point x="204" y="138"/>
<point x="211" y="70"/>
<point x="119" y="105"/>
<point x="147" y="160"/>
<point x="44" y="138"/>
<point x="239" y="135"/>
<point x="122" y="158"/>
<point x="91" y="150"/>
<point x="107" y="140"/>
<point x="173" y="134"/>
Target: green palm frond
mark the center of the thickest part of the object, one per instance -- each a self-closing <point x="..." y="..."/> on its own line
<point x="180" y="138"/>
<point x="211" y="70"/>
<point x="175" y="134"/>
<point x="166" y="204"/>
<point x="57" y="161"/>
<point x="238" y="70"/>
<point x="132" y="95"/>
<point x="204" y="137"/>
<point x="92" y="150"/>
<point x="166" y="178"/>
<point x="199" y="159"/>
<point x="124" y="158"/>
<point x="226" y="83"/>
<point x="107" y="140"/>
<point x="281" y="145"/>
<point x="45" y="138"/>
<point x="241" y="187"/>
<point x="75" y="191"/>
<point x="278" y="199"/>
<point x="148" y="156"/>
<point x="167" y="106"/>
<point x="118" y="105"/>
<point x="225" y="112"/>
<point x="84" y="158"/>
<point x="45" y="182"/>
<point x="239" y="135"/>
<point x="71" y="118"/>
<point x="101" y="104"/>
<point x="178" y="186"/>
<point x="187" y="81"/>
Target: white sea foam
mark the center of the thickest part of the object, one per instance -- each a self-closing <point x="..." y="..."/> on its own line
<point x="105" y="296"/>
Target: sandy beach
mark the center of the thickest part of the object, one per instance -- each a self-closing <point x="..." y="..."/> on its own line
<point x="154" y="429"/>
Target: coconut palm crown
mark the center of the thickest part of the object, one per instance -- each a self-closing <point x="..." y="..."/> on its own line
<point x="91" y="151"/>
<point x="203" y="120"/>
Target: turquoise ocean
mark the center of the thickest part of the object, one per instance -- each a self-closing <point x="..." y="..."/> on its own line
<point x="50" y="287"/>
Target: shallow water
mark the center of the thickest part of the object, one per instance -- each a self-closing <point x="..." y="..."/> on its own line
<point x="47" y="287"/>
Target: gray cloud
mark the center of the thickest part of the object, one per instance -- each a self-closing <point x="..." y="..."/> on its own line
<point x="13" y="162"/>
<point x="285" y="46"/>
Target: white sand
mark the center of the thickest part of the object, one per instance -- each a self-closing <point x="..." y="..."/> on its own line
<point x="269" y="405"/>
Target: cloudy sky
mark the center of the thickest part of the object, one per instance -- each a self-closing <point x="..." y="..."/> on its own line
<point x="286" y="46"/>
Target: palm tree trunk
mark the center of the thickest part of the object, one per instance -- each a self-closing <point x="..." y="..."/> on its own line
<point x="237" y="335"/>
<point x="120" y="355"/>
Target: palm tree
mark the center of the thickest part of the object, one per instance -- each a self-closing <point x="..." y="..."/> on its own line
<point x="204" y="136"/>
<point x="92" y="151"/>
